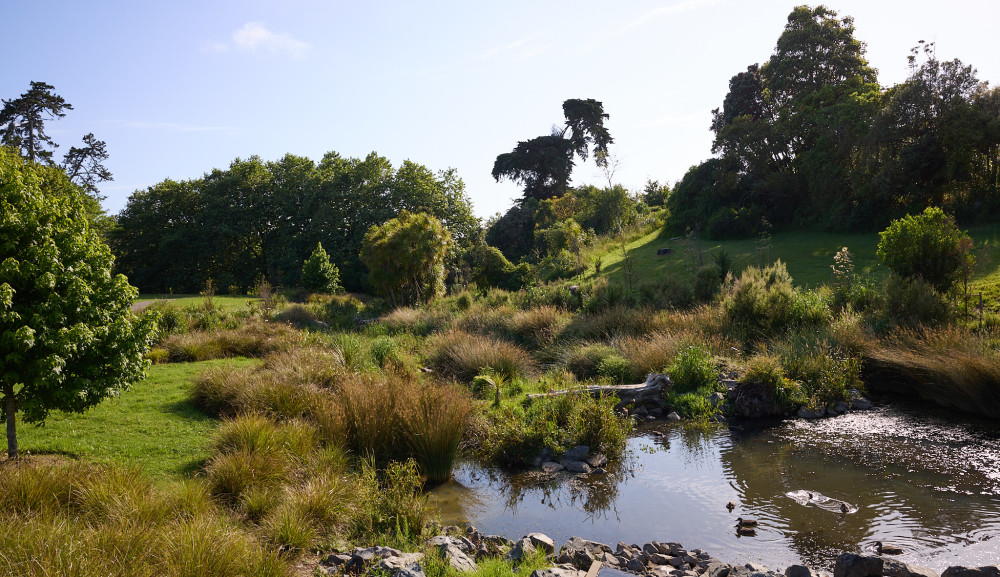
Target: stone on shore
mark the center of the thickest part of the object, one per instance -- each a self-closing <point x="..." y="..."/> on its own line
<point x="457" y="558"/>
<point x="528" y="545"/>
<point x="803" y="571"/>
<point x="558" y="571"/>
<point x="581" y="553"/>
<point x="411" y="570"/>
<point x="959" y="571"/>
<point x="852" y="565"/>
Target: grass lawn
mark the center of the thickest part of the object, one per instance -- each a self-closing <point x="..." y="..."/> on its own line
<point x="808" y="256"/>
<point x="223" y="302"/>
<point x="151" y="426"/>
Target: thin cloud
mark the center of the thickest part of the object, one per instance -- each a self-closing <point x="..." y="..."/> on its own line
<point x="651" y="16"/>
<point x="523" y="48"/>
<point x="255" y="37"/>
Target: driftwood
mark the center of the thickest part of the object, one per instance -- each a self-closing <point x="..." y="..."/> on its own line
<point x="647" y="392"/>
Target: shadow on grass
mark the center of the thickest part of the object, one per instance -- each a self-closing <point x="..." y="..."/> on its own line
<point x="187" y="409"/>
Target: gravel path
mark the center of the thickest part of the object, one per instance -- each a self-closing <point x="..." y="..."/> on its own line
<point x="139" y="305"/>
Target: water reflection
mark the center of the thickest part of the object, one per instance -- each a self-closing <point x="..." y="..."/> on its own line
<point x="907" y="477"/>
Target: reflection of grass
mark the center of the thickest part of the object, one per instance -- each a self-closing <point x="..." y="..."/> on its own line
<point x="152" y="425"/>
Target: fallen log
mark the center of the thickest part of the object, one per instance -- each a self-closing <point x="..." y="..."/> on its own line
<point x="637" y="394"/>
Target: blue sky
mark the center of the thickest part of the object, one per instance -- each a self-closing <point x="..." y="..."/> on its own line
<point x="178" y="88"/>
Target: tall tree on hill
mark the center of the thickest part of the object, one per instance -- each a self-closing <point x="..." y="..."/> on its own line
<point x="543" y="165"/>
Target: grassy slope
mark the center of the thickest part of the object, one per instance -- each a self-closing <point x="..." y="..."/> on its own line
<point x="151" y="426"/>
<point x="808" y="256"/>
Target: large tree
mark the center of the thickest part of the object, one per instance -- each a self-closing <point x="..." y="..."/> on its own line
<point x="68" y="338"/>
<point x="405" y="257"/>
<point x="543" y="165"/>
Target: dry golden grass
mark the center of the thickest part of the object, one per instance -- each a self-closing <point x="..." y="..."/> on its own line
<point x="464" y="355"/>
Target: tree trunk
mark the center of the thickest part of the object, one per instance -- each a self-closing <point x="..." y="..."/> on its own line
<point x="11" y="430"/>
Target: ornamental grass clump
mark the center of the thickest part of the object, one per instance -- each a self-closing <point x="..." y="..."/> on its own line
<point x="463" y="356"/>
<point x="435" y="422"/>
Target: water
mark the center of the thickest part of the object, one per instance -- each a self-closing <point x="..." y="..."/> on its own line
<point x="909" y="477"/>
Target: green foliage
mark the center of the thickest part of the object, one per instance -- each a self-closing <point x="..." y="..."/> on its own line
<point x="463" y="356"/>
<point x="615" y="368"/>
<point x="929" y="246"/>
<point x="762" y="303"/>
<point x="69" y="338"/>
<point x="319" y="274"/>
<point x="491" y="269"/>
<point x="913" y="302"/>
<point x="405" y="257"/>
<point x="693" y="369"/>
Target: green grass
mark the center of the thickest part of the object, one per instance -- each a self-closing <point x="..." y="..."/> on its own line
<point x="807" y="255"/>
<point x="152" y="425"/>
<point x="222" y="302"/>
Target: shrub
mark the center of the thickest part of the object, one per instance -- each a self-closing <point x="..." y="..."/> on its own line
<point x="912" y="302"/>
<point x="929" y="246"/>
<point x="342" y="311"/>
<point x="764" y="390"/>
<point x="616" y="368"/>
<point x="395" y="508"/>
<point x="319" y="274"/>
<point x="706" y="283"/>
<point x="762" y="304"/>
<point x="584" y="360"/>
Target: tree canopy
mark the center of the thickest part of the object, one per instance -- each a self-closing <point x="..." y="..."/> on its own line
<point x="809" y="138"/>
<point x="405" y="257"/>
<point x="263" y="219"/>
<point x="68" y="338"/>
<point x="544" y="164"/>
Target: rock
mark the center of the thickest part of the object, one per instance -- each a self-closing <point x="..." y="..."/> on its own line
<point x="641" y="412"/>
<point x="461" y="542"/>
<point x="545" y="455"/>
<point x="959" y="571"/>
<point x="656" y="412"/>
<point x="528" y="544"/>
<point x="851" y="565"/>
<point x="335" y="559"/>
<point x="841" y="407"/>
<point x="861" y="404"/>
<point x="576" y="466"/>
<point x="457" y="558"/>
<point x="806" y="413"/>
<point x="717" y="570"/>
<point x="801" y="571"/>
<point x="610" y="560"/>
<point x="559" y="571"/>
<point x="756" y="568"/>
<point x="411" y="570"/>
<point x="673" y="416"/>
<point x="598" y="471"/>
<point x="635" y="566"/>
<point x="581" y="553"/>
<point x="716" y="399"/>
<point x="676" y="561"/>
<point x="398" y="562"/>
<point x="893" y="568"/>
<point x="596" y="459"/>
<point x="577" y="453"/>
<point x="551" y="467"/>
<point x="660" y="559"/>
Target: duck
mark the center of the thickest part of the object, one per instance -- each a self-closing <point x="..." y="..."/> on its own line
<point x="730" y="505"/>
<point x="887" y="549"/>
<point x="741" y="522"/>
<point x="844" y="508"/>
<point x="746" y="532"/>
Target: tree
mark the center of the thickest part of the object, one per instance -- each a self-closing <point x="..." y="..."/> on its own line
<point x="405" y="257"/>
<point x="84" y="166"/>
<point x="319" y="274"/>
<point x="929" y="246"/>
<point x="543" y="165"/>
<point x="24" y="118"/>
<point x="67" y="336"/>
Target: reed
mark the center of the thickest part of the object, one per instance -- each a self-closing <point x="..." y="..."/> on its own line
<point x="436" y="420"/>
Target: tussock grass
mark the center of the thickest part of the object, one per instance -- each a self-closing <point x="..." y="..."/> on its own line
<point x="252" y="339"/>
<point x="539" y="326"/>
<point x="617" y="321"/>
<point x="463" y="355"/>
<point x="435" y="422"/>
<point x="950" y="366"/>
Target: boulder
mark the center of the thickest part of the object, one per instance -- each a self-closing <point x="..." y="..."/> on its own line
<point x="398" y="562"/>
<point x="596" y="459"/>
<point x="673" y="416"/>
<point x="581" y="553"/>
<point x="893" y="568"/>
<point x="635" y="566"/>
<point x="577" y="453"/>
<point x="336" y="559"/>
<point x="851" y="565"/>
<point x="716" y="399"/>
<point x="959" y="571"/>
<point x="551" y="467"/>
<point x="457" y="558"/>
<point x="528" y="544"/>
<point x="802" y="571"/>
<point x="660" y="559"/>
<point x="861" y="404"/>
<point x="461" y="542"/>
<point x="717" y="570"/>
<point x="576" y="466"/>
<point x="807" y="413"/>
<point x="841" y="407"/>
<point x="411" y="570"/>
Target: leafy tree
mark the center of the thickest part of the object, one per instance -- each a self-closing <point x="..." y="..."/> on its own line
<point x="929" y="247"/>
<point x="405" y="257"/>
<point x="543" y="165"/>
<point x="67" y="336"/>
<point x="23" y="121"/>
<point x="490" y="268"/>
<point x="319" y="274"/>
<point x="84" y="166"/>
<point x="655" y="194"/>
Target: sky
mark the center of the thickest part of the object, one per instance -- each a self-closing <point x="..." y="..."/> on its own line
<point x="178" y="88"/>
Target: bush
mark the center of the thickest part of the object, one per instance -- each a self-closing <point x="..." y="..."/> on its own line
<point x="319" y="274"/>
<point x="707" y="282"/>
<point x="764" y="390"/>
<point x="584" y="360"/>
<point x="929" y="246"/>
<point x="615" y="368"/>
<point x="762" y="304"/>
<point x="912" y="302"/>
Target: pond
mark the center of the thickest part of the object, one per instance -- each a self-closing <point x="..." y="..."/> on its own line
<point x="909" y="476"/>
